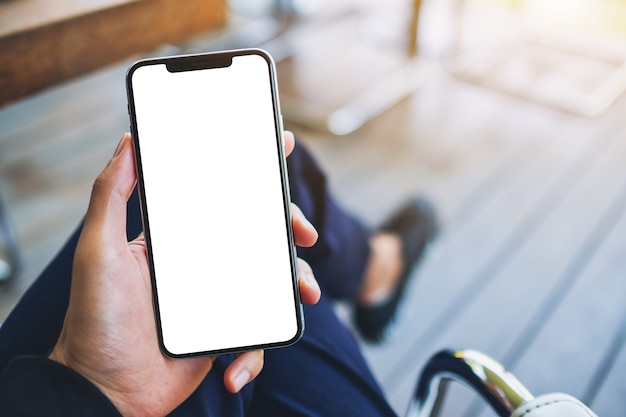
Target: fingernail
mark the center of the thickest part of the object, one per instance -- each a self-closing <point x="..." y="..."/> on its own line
<point x="120" y="145"/>
<point x="242" y="379"/>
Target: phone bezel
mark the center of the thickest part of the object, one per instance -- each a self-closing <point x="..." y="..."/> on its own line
<point x="202" y="61"/>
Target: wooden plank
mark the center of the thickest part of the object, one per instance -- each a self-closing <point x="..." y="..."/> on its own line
<point x="39" y="52"/>
<point x="611" y="396"/>
<point x="450" y="285"/>
<point x="560" y="252"/>
<point x="565" y="321"/>
<point x="573" y="343"/>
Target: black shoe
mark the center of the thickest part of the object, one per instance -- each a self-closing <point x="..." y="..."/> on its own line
<point x="416" y="225"/>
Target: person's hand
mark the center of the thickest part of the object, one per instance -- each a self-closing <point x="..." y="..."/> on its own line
<point x="109" y="334"/>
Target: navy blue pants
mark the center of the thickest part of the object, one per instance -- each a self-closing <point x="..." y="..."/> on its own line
<point x="324" y="374"/>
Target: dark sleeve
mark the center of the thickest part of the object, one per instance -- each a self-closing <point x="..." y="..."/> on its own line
<point x="37" y="386"/>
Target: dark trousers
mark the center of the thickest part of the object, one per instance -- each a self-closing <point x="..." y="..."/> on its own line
<point x="324" y="374"/>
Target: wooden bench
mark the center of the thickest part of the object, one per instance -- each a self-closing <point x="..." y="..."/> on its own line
<point x="43" y="43"/>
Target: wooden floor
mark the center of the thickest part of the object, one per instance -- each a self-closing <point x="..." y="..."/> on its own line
<point x="529" y="266"/>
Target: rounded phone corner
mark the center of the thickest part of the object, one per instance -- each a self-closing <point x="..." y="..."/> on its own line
<point x="298" y="334"/>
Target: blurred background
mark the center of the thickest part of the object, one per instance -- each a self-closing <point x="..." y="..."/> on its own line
<point x="509" y="115"/>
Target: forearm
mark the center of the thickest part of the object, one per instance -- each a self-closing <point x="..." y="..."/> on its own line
<point x="37" y="386"/>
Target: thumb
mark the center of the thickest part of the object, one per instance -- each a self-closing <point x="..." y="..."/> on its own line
<point x="106" y="216"/>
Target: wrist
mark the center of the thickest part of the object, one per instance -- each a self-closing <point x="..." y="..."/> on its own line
<point x="36" y="386"/>
<point x="58" y="355"/>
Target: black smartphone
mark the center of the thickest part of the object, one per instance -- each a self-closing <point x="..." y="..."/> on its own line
<point x="213" y="186"/>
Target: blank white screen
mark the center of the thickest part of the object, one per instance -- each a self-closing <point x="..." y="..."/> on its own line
<point x="215" y="207"/>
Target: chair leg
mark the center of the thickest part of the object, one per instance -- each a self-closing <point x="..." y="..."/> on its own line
<point x="414" y="28"/>
<point x="9" y="265"/>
